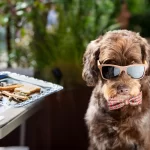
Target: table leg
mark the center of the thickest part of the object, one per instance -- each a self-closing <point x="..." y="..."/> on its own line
<point x="22" y="134"/>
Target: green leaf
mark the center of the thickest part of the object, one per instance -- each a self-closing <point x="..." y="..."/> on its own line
<point x="19" y="13"/>
<point x="21" y="5"/>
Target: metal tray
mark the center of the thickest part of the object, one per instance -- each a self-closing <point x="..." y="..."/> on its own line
<point x="47" y="88"/>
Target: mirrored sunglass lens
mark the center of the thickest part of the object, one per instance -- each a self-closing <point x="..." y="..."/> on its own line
<point x="135" y="72"/>
<point x="109" y="72"/>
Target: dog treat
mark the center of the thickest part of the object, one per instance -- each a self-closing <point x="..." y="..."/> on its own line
<point x="28" y="89"/>
<point x="17" y="91"/>
<point x="14" y="99"/>
<point x="14" y="95"/>
<point x="10" y="87"/>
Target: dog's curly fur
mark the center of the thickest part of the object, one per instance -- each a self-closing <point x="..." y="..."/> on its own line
<point x="127" y="128"/>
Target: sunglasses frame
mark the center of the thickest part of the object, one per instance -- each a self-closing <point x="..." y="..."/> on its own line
<point x="122" y="68"/>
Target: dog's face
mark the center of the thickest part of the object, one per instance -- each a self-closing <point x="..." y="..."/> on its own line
<point x="120" y="48"/>
<point x="123" y="52"/>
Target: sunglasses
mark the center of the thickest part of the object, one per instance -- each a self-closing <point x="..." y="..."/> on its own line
<point x="109" y="71"/>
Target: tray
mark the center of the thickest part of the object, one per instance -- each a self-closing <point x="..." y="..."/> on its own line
<point x="47" y="88"/>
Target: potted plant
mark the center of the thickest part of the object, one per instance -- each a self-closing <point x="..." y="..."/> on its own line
<point x="58" y="54"/>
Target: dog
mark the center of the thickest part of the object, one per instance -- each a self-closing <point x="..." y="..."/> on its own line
<point x="117" y="65"/>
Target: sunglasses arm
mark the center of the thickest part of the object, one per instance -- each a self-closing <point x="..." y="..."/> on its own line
<point x="146" y="64"/>
<point x="98" y="63"/>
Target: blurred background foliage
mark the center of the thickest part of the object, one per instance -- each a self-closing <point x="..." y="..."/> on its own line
<point x="139" y="20"/>
<point x="56" y="53"/>
<point x="61" y="49"/>
<point x="13" y="17"/>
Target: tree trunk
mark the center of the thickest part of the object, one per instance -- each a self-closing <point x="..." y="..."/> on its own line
<point x="8" y="41"/>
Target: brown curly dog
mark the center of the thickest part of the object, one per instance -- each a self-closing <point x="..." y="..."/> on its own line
<point x="117" y="64"/>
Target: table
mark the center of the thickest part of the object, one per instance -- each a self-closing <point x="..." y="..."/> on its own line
<point x="14" y="117"/>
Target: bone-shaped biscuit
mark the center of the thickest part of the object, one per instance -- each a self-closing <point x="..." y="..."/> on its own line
<point x="10" y="87"/>
<point x="14" y="95"/>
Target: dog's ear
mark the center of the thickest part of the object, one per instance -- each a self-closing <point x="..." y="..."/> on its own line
<point x="90" y="70"/>
<point x="145" y="50"/>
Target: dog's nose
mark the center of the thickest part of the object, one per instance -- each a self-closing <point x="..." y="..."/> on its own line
<point x="122" y="89"/>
